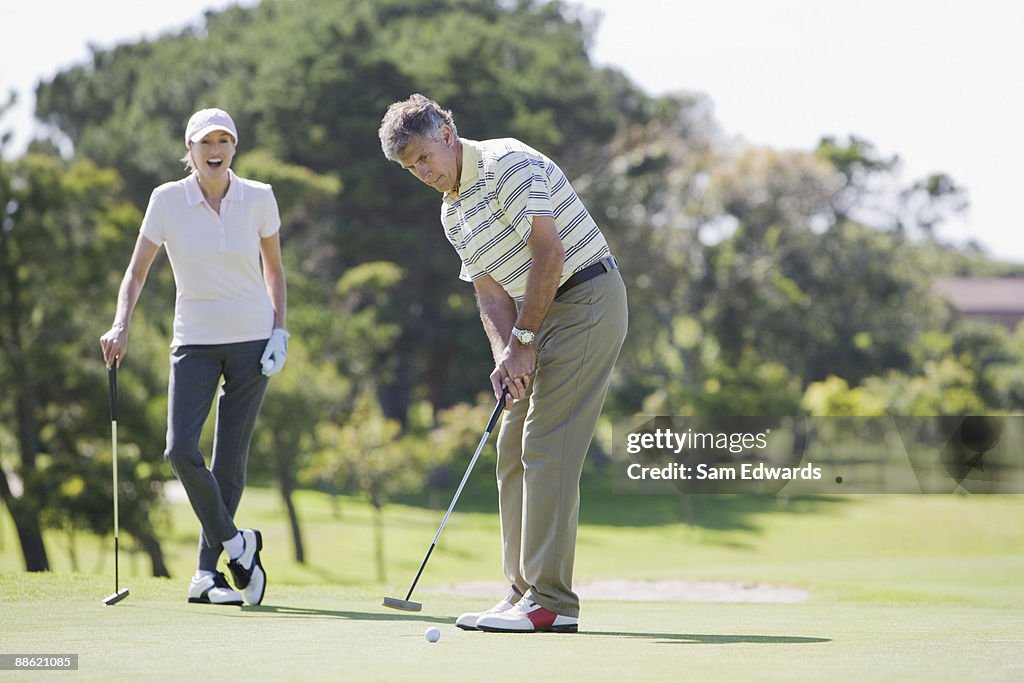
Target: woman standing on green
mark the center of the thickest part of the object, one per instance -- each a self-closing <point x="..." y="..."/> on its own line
<point x="221" y="233"/>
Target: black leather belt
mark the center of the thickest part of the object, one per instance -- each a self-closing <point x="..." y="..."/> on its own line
<point x="603" y="266"/>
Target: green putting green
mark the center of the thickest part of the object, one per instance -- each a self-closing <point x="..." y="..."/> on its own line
<point x="901" y="588"/>
<point x="311" y="633"/>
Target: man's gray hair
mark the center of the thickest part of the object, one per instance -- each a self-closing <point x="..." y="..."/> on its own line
<point x="416" y="117"/>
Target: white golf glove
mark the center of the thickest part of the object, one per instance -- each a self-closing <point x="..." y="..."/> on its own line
<point x="275" y="352"/>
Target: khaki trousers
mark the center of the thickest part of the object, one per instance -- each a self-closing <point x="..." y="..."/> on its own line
<point x="544" y="440"/>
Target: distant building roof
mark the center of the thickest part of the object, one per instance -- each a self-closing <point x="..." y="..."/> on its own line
<point x="994" y="298"/>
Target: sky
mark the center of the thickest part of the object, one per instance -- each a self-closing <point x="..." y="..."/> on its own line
<point x="940" y="84"/>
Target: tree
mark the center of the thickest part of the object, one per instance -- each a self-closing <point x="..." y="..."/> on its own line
<point x="646" y="189"/>
<point x="60" y="223"/>
<point x="508" y="69"/>
<point x="367" y="451"/>
<point x="803" y="284"/>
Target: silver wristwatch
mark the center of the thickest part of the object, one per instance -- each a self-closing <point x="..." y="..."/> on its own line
<point x="525" y="337"/>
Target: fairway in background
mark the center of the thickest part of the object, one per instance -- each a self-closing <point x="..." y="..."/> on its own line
<point x="899" y="549"/>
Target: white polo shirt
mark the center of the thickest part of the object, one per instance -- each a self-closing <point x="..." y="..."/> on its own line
<point x="221" y="297"/>
<point x="504" y="184"/>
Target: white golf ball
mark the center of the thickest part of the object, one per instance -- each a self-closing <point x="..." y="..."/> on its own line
<point x="432" y="634"/>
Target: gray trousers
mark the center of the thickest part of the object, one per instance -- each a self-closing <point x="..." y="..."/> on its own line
<point x="544" y="440"/>
<point x="195" y="374"/>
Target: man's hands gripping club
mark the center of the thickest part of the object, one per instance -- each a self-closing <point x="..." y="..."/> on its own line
<point x="514" y="369"/>
<point x="515" y="362"/>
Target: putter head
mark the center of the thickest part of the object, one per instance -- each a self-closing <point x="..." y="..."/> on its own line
<point x="404" y="605"/>
<point x="115" y="598"/>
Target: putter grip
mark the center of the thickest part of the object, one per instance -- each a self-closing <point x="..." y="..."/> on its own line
<point x="112" y="382"/>
<point x="497" y="410"/>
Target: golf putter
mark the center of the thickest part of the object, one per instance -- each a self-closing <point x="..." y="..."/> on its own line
<point x="407" y="605"/>
<point x="119" y="594"/>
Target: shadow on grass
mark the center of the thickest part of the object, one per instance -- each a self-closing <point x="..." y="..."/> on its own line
<point x="711" y="638"/>
<point x="602" y="505"/>
<point x="668" y="638"/>
<point x="713" y="512"/>
<point x="308" y="612"/>
<point x="287" y="612"/>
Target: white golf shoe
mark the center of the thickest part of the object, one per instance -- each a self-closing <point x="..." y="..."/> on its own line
<point x="247" y="570"/>
<point x="213" y="590"/>
<point x="467" y="621"/>
<point x="527" y="617"/>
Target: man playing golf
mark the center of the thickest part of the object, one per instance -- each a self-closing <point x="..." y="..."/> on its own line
<point x="221" y="233"/>
<point x="553" y="307"/>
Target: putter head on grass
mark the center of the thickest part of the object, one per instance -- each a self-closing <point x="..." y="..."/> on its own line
<point x="115" y="598"/>
<point x="404" y="605"/>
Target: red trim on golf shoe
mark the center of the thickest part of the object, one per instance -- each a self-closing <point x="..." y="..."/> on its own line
<point x="542" y="618"/>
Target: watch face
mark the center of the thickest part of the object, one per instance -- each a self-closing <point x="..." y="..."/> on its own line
<point x="525" y="336"/>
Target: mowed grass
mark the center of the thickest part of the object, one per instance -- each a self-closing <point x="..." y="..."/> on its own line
<point x="901" y="588"/>
<point x="312" y="633"/>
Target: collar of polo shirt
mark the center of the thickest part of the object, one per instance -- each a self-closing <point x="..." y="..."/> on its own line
<point x="194" y="193"/>
<point x="470" y="169"/>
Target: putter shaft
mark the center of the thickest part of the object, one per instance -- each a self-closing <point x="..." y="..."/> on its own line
<point x="392" y="602"/>
<point x="119" y="594"/>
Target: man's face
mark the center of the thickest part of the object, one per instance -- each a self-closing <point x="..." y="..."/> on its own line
<point x="434" y="160"/>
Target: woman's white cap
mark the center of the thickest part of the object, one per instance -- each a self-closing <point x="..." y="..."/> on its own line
<point x="206" y="121"/>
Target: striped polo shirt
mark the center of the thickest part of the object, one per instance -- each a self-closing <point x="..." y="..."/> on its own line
<point x="503" y="184"/>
